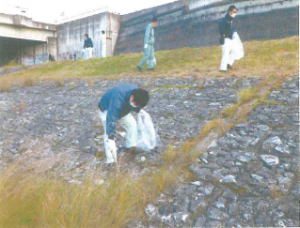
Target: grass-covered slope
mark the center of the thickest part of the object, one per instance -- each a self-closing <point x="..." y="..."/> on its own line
<point x="262" y="58"/>
<point x="29" y="199"/>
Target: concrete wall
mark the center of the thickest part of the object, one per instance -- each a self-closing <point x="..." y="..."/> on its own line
<point x="198" y="26"/>
<point x="22" y="21"/>
<point x="25" y="33"/>
<point x="71" y="35"/>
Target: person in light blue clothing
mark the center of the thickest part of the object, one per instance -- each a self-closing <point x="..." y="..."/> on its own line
<point x="148" y="46"/>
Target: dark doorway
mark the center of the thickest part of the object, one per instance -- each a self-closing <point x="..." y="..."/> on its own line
<point x="11" y="49"/>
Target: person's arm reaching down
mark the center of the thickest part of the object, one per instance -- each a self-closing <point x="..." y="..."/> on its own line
<point x="113" y="115"/>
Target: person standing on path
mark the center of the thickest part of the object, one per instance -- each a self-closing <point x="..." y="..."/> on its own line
<point x="148" y="46"/>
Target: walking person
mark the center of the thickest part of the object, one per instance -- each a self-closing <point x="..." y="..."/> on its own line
<point x="88" y="47"/>
<point x="227" y="40"/>
<point x="116" y="104"/>
<point x="148" y="46"/>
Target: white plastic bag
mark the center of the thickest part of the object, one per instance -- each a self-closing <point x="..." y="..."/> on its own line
<point x="110" y="148"/>
<point x="154" y="61"/>
<point x="147" y="137"/>
<point x="237" y="47"/>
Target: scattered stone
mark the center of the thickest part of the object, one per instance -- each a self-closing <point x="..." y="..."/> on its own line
<point x="262" y="220"/>
<point x="271" y="143"/>
<point x="228" y="179"/>
<point x="258" y="178"/>
<point x="200" y="173"/>
<point x="282" y="149"/>
<point x="180" y="218"/>
<point x="150" y="210"/>
<point x="200" y="221"/>
<point x="207" y="189"/>
<point x="214" y="213"/>
<point x="181" y="203"/>
<point x="269" y="160"/>
<point x="220" y="203"/>
<point x="195" y="203"/>
<point x="166" y="209"/>
<point x="212" y="224"/>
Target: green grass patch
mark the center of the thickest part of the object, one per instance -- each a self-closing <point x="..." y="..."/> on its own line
<point x="262" y="58"/>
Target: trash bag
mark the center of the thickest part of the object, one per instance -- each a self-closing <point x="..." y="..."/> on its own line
<point x="154" y="61"/>
<point x="237" y="47"/>
<point x="147" y="137"/>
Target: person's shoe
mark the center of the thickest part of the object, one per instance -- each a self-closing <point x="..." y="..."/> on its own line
<point x="229" y="67"/>
<point x="223" y="71"/>
<point x="109" y="166"/>
<point x="150" y="69"/>
<point x="140" y="69"/>
<point x="134" y="150"/>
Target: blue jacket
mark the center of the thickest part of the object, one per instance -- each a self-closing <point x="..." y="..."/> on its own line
<point x="116" y="103"/>
<point x="226" y="28"/>
<point x="88" y="43"/>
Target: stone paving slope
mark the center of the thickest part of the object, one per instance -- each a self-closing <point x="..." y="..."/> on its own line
<point x="60" y="125"/>
<point x="247" y="178"/>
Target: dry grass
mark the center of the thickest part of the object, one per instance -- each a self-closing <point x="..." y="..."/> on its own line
<point x="263" y="58"/>
<point x="229" y="111"/>
<point x="30" y="199"/>
<point x="208" y="127"/>
<point x="5" y="86"/>
<point x="59" y="82"/>
<point x="247" y="95"/>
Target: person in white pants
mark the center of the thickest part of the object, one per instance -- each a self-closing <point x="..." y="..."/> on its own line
<point x="103" y="44"/>
<point x="226" y="40"/>
<point x="227" y="55"/>
<point x="88" y="47"/>
<point x="116" y="104"/>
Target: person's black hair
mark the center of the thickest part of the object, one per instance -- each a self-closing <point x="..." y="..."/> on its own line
<point x="103" y="32"/>
<point x="154" y="18"/>
<point x="141" y="97"/>
<point x="232" y="7"/>
<point x="87" y="35"/>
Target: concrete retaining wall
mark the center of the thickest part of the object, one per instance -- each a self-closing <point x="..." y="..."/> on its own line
<point x="71" y="35"/>
<point x="177" y="27"/>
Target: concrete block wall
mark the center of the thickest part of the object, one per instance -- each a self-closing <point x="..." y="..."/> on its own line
<point x="35" y="54"/>
<point x="177" y="27"/>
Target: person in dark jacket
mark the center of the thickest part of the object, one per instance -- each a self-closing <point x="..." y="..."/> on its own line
<point x="88" y="46"/>
<point x="51" y="58"/>
<point x="149" y="46"/>
<point x="227" y="32"/>
<point x="116" y="104"/>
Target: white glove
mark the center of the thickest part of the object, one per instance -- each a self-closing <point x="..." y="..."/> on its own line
<point x="146" y="46"/>
<point x="111" y="153"/>
<point x="142" y="112"/>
